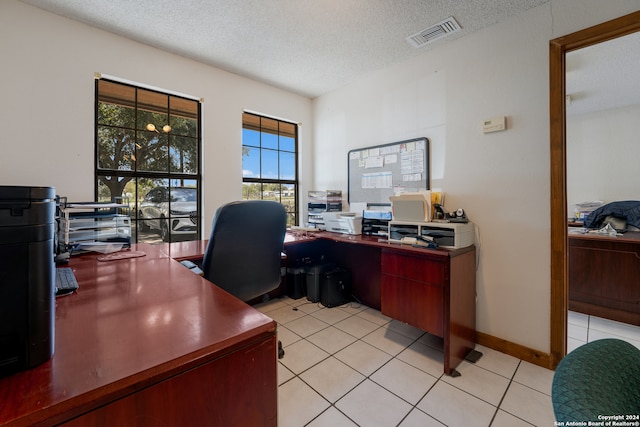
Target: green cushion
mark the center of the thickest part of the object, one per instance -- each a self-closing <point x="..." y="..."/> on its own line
<point x="598" y="378"/>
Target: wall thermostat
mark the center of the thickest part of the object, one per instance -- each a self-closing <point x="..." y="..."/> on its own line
<point x="494" y="125"/>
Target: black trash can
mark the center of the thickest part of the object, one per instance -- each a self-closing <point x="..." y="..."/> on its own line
<point x="314" y="278"/>
<point x="27" y="277"/>
<point x="296" y="286"/>
<point x="335" y="287"/>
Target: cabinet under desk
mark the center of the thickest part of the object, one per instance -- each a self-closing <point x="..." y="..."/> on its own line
<point x="431" y="289"/>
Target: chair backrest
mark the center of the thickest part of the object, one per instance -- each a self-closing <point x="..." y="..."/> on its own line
<point x="244" y="250"/>
<point x="597" y="378"/>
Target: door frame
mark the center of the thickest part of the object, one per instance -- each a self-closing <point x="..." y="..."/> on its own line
<point x="558" y="163"/>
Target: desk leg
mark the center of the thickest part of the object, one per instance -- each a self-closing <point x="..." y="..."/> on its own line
<point x="460" y="301"/>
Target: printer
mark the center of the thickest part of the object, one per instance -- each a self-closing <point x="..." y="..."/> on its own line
<point x="343" y="222"/>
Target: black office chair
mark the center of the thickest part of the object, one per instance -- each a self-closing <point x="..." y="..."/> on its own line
<point x="244" y="251"/>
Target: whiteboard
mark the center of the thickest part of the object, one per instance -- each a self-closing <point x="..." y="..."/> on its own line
<point x="380" y="171"/>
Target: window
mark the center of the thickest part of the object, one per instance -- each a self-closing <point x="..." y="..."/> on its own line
<point x="269" y="162"/>
<point x="148" y="154"/>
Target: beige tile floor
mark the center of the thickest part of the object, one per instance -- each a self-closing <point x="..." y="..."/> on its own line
<point x="353" y="366"/>
<point x="583" y="328"/>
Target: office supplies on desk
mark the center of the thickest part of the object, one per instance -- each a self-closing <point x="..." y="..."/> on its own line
<point x="449" y="235"/>
<point x="320" y="202"/>
<point x="420" y="242"/>
<point x="100" y="247"/>
<point x="440" y="215"/>
<point x="92" y="226"/>
<point x="376" y="222"/>
<point x="121" y="255"/>
<point x="66" y="281"/>
<point x="412" y="206"/>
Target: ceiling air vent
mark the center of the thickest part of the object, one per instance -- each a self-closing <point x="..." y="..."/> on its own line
<point x="441" y="29"/>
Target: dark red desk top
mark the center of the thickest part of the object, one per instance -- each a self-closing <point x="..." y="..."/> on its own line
<point x="385" y="244"/>
<point x="195" y="249"/>
<point x="132" y="323"/>
<point x="628" y="237"/>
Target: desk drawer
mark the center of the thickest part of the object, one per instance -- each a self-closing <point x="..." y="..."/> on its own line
<point x="413" y="268"/>
<point x="416" y="303"/>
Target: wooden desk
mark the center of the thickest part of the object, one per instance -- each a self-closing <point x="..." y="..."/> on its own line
<point x="604" y="276"/>
<point x="146" y="342"/>
<point x="433" y="290"/>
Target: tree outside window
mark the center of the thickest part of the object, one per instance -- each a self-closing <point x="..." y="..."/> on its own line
<point x="147" y="140"/>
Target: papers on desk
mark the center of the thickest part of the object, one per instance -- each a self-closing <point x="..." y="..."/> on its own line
<point x="607" y="230"/>
<point x="96" y="205"/>
<point x="100" y="247"/>
<point x="121" y="255"/>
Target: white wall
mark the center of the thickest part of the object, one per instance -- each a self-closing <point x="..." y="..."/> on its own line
<point x="603" y="149"/>
<point x="500" y="179"/>
<point x="47" y="104"/>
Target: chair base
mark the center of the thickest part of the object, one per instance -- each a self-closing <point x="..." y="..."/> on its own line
<point x="280" y="350"/>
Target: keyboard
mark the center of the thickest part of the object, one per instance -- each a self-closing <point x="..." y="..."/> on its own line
<point x="65" y="281"/>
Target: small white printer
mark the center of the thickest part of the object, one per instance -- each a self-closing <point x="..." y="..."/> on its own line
<point x="343" y="222"/>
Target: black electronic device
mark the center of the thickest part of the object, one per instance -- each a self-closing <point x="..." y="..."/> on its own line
<point x="440" y="214"/>
<point x="66" y="282"/>
<point x="27" y="277"/>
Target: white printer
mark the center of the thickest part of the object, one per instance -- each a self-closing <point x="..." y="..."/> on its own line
<point x="343" y="222"/>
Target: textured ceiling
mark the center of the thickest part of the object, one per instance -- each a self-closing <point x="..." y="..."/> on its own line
<point x="309" y="47"/>
<point x="604" y="76"/>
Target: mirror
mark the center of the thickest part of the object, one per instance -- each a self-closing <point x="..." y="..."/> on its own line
<point x="558" y="49"/>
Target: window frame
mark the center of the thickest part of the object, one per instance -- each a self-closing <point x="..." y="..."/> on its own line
<point x="169" y="176"/>
<point x="293" y="215"/>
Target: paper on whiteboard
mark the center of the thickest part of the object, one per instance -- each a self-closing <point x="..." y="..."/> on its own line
<point x="412" y="177"/>
<point x="374" y="162"/>
<point x="376" y="180"/>
<point x="412" y="162"/>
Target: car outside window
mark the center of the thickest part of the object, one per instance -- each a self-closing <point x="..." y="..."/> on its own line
<point x="148" y="148"/>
